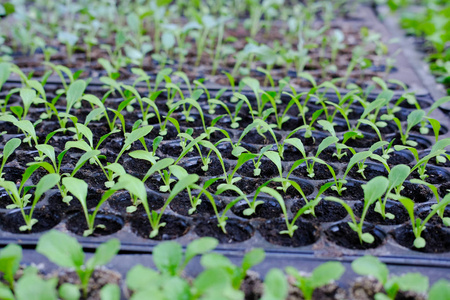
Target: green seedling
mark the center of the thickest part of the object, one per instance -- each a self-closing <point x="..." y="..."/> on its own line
<point x="21" y="199"/>
<point x="396" y="177"/>
<point x="8" y="150"/>
<point x="372" y="266"/>
<point x="320" y="276"/>
<point x="419" y="225"/>
<point x="66" y="252"/>
<point x="373" y="191"/>
<point x="137" y="188"/>
<point x="79" y="189"/>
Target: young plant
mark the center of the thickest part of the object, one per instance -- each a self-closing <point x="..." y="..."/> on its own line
<point x="373" y="191"/>
<point x="372" y="266"/>
<point x="8" y="150"/>
<point x="237" y="273"/>
<point x="419" y="225"/>
<point x="396" y="177"/>
<point x="136" y="187"/>
<point x="414" y="118"/>
<point x="66" y="252"/>
<point x="79" y="189"/>
<point x="21" y="199"/>
<point x="320" y="276"/>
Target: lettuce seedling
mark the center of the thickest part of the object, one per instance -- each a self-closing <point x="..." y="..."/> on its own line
<point x="372" y="266"/>
<point x="419" y="225"/>
<point x="21" y="199"/>
<point x="356" y="158"/>
<point x="65" y="251"/>
<point x="320" y="276"/>
<point x="214" y="261"/>
<point x="434" y="189"/>
<point x="8" y="150"/>
<point x="396" y="177"/>
<point x="373" y="191"/>
<point x="290" y="225"/>
<point x="79" y="189"/>
<point x="438" y="150"/>
<point x="136" y="187"/>
<point x="414" y="118"/>
<point x="168" y="259"/>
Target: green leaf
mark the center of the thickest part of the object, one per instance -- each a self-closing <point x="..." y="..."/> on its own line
<point x="77" y="187"/>
<point x="31" y="286"/>
<point x="327" y="272"/>
<point x="328" y="141"/>
<point x="215" y="260"/>
<point x="139" y="277"/>
<point x="47" y="182"/>
<point x="104" y="253"/>
<point x="10" y="257"/>
<point x="10" y="147"/>
<point x="414" y="118"/>
<point x="177" y="288"/>
<point x="137" y="134"/>
<point x="110" y="292"/>
<point x="168" y="257"/>
<point x="74" y="93"/>
<point x="275" y="285"/>
<point x="5" y="292"/>
<point x="414" y="282"/>
<point x="371" y="266"/>
<point x="61" y="249"/>
<point x="252" y="258"/>
<point x="440" y="290"/>
<point x="216" y="279"/>
<point x="69" y="291"/>
<point x="398" y="175"/>
<point x="200" y="246"/>
<point x="276" y="159"/>
<point x="132" y="185"/>
<point x="375" y="188"/>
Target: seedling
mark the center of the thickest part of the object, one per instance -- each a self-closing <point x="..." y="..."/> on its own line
<point x="419" y="225"/>
<point x="320" y="276"/>
<point x="396" y="177"/>
<point x="136" y="187"/>
<point x="8" y="150"/>
<point x="21" y="199"/>
<point x="372" y="266"/>
<point x="66" y="252"/>
<point x="373" y="191"/>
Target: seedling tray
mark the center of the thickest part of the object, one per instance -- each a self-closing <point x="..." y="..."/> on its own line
<point x="187" y="227"/>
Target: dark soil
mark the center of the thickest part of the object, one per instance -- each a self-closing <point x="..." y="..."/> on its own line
<point x="194" y="166"/>
<point x="325" y="211"/>
<point x="353" y="191"/>
<point x="181" y="205"/>
<point x="395" y="208"/>
<point x="112" y="223"/>
<point x="344" y="236"/>
<point x="268" y="169"/>
<point x="371" y="171"/>
<point x="306" y="233"/>
<point x="253" y="137"/>
<point x="269" y="209"/>
<point x="321" y="171"/>
<point x="121" y="200"/>
<point x="416" y="192"/>
<point x="237" y="231"/>
<point x="56" y="204"/>
<point x="175" y="227"/>
<point x="436" y="175"/>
